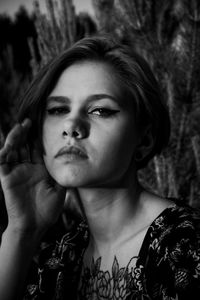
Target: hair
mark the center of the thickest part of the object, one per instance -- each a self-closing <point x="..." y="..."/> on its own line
<point x="130" y="68"/>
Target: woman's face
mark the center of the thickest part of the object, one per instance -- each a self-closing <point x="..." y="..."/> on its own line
<point x="89" y="132"/>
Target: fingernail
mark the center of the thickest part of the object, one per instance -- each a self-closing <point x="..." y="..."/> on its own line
<point x="26" y="122"/>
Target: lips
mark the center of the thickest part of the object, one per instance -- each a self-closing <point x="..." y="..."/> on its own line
<point x="71" y="150"/>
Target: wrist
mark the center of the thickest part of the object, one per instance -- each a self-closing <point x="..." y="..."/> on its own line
<point x="27" y="236"/>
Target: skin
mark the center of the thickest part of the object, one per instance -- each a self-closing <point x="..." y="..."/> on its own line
<point x="108" y="137"/>
<point x="117" y="210"/>
<point x="106" y="181"/>
<point x="32" y="204"/>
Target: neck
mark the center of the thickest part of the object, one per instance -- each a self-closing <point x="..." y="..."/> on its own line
<point x="109" y="212"/>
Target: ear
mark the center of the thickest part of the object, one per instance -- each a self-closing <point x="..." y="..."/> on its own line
<point x="145" y="144"/>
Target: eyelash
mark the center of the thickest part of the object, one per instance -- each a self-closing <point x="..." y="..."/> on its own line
<point x="103" y="112"/>
<point x="61" y="110"/>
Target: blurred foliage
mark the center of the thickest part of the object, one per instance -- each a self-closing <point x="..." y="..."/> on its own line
<point x="15" y="32"/>
<point x="167" y="33"/>
<point x="59" y="29"/>
<point x="11" y="85"/>
<point x="15" y="69"/>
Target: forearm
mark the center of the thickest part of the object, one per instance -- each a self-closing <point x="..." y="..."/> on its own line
<point x="16" y="253"/>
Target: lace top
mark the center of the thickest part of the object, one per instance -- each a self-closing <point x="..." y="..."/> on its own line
<point x="167" y="267"/>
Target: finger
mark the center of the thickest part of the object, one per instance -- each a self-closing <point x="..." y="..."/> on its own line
<point x="12" y="157"/>
<point x="4" y="170"/>
<point x="4" y="167"/>
<point x="8" y="155"/>
<point x="17" y="135"/>
<point x="13" y="138"/>
<point x="36" y="156"/>
<point x="3" y="155"/>
<point x="25" y="125"/>
<point x="61" y="192"/>
<point x="12" y="161"/>
<point x="24" y="154"/>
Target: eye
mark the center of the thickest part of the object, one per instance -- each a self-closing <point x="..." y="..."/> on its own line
<point x="60" y="110"/>
<point x="103" y="112"/>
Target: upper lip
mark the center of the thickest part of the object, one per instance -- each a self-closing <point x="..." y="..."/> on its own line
<point x="71" y="150"/>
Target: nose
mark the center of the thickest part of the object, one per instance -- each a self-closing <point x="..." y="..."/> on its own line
<point x="75" y="129"/>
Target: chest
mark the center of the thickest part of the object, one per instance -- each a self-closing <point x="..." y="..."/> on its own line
<point x="115" y="283"/>
<point x="114" y="275"/>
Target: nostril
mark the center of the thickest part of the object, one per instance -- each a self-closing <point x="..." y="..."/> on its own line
<point x="64" y="133"/>
<point x="75" y="133"/>
<point x="78" y="131"/>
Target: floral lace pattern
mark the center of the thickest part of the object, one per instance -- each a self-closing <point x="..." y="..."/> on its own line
<point x="57" y="263"/>
<point x="120" y="284"/>
<point x="167" y="267"/>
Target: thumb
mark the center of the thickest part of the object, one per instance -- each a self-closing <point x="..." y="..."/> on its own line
<point x="61" y="191"/>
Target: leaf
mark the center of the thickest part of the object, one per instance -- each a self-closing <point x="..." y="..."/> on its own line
<point x="115" y="268"/>
<point x="121" y="272"/>
<point x="97" y="265"/>
<point x="93" y="267"/>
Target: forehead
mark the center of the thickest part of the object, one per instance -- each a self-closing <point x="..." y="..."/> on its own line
<point x="88" y="77"/>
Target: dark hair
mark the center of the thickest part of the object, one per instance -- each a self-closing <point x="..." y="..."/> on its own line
<point x="133" y="71"/>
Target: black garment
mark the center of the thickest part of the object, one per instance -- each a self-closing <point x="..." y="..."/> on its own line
<point x="167" y="267"/>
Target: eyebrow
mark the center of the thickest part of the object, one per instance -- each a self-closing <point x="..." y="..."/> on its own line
<point x="64" y="99"/>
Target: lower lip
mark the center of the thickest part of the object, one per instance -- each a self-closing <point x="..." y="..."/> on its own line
<point x="71" y="157"/>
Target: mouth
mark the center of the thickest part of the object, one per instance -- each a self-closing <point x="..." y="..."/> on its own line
<point x="71" y="153"/>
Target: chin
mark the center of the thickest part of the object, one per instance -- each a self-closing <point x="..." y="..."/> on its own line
<point x="70" y="180"/>
<point x="68" y="183"/>
<point x="77" y="178"/>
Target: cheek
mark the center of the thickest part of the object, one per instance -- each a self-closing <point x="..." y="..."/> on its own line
<point x="50" y="142"/>
<point x="50" y="134"/>
<point x="116" y="144"/>
<point x="113" y="156"/>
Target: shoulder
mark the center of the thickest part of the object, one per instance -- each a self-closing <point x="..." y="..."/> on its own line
<point x="175" y="249"/>
<point x="171" y="220"/>
<point x="182" y="221"/>
<point x="176" y="226"/>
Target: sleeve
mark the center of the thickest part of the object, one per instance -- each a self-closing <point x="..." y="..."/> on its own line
<point x="56" y="268"/>
<point x="180" y="263"/>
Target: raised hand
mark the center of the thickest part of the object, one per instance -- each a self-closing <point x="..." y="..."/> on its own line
<point x="33" y="200"/>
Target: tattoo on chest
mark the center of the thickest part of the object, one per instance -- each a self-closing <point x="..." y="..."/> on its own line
<point x="120" y="283"/>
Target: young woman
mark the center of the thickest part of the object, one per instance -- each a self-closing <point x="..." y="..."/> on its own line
<point x="80" y="225"/>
